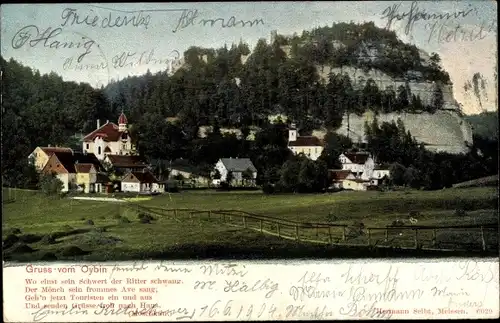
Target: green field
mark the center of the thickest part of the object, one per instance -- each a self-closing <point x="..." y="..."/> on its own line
<point x="40" y="227"/>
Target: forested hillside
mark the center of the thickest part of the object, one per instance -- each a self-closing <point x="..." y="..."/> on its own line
<point x="38" y="110"/>
<point x="225" y="87"/>
<point x="282" y="77"/>
<point x="484" y="124"/>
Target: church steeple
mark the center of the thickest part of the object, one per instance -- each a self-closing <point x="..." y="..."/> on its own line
<point x="122" y="122"/>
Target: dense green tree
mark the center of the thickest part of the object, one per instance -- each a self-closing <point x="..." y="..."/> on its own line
<point x="335" y="144"/>
<point x="437" y="99"/>
<point x="397" y="172"/>
<point x="50" y="184"/>
<point x="289" y="175"/>
<point x="247" y="176"/>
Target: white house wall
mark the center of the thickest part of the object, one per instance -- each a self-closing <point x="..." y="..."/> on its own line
<point x="379" y="173"/>
<point x="158" y="188"/>
<point x="115" y="147"/>
<point x="130" y="187"/>
<point x="175" y="172"/>
<point x="66" y="179"/>
<point x="312" y="152"/>
<point x="355" y="168"/>
<point x="88" y="147"/>
<point x="347" y="184"/>
<point x="222" y="170"/>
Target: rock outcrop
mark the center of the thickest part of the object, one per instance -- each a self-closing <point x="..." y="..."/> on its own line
<point x="444" y="131"/>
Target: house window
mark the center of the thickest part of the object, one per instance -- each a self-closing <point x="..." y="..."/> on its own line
<point x="87" y="145"/>
<point x="99" y="150"/>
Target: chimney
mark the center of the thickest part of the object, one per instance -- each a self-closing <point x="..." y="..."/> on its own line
<point x="107" y="121"/>
<point x="49" y="145"/>
<point x="98" y="124"/>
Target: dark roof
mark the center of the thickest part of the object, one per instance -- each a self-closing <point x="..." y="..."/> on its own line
<point x="50" y="150"/>
<point x="102" y="178"/>
<point x="339" y="174"/>
<point x="109" y="132"/>
<point x="83" y="167"/>
<point x="305" y="141"/>
<point x="360" y="180"/>
<point x="126" y="161"/>
<point x="357" y="158"/>
<point x="144" y="177"/>
<point x="68" y="160"/>
<point x="238" y="164"/>
<point x="184" y="168"/>
<point x="183" y="165"/>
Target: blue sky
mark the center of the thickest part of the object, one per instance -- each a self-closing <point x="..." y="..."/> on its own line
<point x="154" y="34"/>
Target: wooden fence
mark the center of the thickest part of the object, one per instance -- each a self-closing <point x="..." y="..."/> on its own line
<point x="443" y="238"/>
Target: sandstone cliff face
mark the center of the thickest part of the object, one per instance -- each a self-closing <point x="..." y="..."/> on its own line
<point x="444" y="131"/>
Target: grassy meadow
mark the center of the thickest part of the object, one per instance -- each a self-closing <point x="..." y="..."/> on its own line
<point x="37" y="227"/>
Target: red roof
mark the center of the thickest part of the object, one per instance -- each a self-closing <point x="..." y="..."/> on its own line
<point x="122" y="119"/>
<point x="109" y="132"/>
<point x="305" y="141"/>
<point x="357" y="158"/>
<point x="70" y="161"/>
<point x="338" y="175"/>
<point x="50" y="150"/>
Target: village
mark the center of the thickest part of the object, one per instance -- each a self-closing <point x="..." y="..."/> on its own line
<point x="109" y="163"/>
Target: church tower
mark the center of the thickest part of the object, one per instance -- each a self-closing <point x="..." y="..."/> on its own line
<point x="122" y="122"/>
<point x="292" y="133"/>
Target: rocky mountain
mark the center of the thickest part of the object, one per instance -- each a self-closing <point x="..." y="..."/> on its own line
<point x="444" y="130"/>
<point x="330" y="78"/>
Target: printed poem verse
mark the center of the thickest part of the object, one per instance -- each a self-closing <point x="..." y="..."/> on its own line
<point x="96" y="290"/>
<point x="168" y="291"/>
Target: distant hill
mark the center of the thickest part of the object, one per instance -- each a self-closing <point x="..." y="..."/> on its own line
<point x="484" y="124"/>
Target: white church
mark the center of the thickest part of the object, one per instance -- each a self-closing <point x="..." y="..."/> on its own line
<point x="109" y="139"/>
<point x="310" y="146"/>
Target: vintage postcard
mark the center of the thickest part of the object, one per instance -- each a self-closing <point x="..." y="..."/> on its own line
<point x="232" y="161"/>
